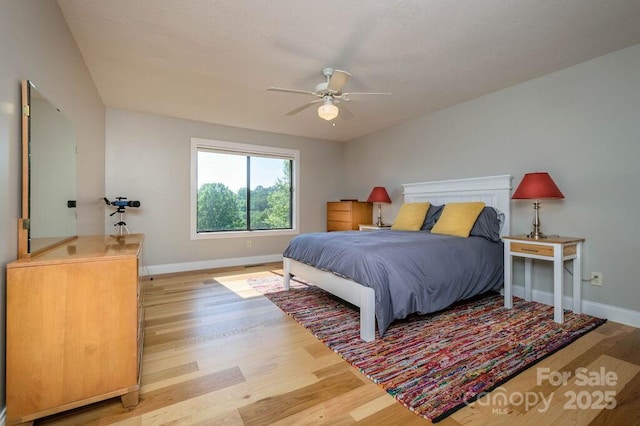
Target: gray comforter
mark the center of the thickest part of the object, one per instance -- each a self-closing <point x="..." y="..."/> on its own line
<point x="411" y="272"/>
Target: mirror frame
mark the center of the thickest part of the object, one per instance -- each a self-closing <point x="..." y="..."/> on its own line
<point x="24" y="223"/>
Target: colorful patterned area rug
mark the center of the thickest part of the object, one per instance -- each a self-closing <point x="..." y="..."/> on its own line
<point x="434" y="364"/>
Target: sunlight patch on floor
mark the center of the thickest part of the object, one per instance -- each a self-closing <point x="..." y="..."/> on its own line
<point x="240" y="287"/>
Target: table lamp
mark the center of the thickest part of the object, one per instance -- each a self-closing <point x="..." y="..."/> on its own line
<point x="379" y="195"/>
<point x="535" y="186"/>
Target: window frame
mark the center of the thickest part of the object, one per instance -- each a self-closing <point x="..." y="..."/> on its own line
<point x="242" y="149"/>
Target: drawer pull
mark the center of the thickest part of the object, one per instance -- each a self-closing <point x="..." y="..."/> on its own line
<point x="529" y="250"/>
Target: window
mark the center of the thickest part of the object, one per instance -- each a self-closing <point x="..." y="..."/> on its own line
<point x="238" y="189"/>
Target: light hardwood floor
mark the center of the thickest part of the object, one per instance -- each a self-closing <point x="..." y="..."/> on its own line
<point x="217" y="352"/>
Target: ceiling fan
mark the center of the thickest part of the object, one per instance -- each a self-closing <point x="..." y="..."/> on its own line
<point x="329" y="93"/>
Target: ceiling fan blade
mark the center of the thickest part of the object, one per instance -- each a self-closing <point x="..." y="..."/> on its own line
<point x="345" y="113"/>
<point x="365" y="93"/>
<point x="338" y="80"/>
<point x="301" y="92"/>
<point x="302" y="108"/>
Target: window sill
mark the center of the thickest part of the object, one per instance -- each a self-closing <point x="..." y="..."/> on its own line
<point x="243" y="234"/>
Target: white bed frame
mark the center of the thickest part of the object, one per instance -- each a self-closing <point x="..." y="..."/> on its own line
<point x="492" y="190"/>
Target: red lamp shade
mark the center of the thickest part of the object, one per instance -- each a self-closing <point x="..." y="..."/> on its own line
<point x="536" y="186"/>
<point x="379" y="195"/>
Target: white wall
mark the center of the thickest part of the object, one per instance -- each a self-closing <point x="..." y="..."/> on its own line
<point x="148" y="159"/>
<point x="581" y="124"/>
<point x="37" y="45"/>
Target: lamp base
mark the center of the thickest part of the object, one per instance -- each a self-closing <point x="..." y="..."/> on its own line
<point x="538" y="236"/>
<point x="379" y="222"/>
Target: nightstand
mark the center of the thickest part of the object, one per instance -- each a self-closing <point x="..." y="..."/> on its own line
<point x="346" y="215"/>
<point x="372" y="227"/>
<point x="552" y="249"/>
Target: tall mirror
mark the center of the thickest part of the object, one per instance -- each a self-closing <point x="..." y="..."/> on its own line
<point x="49" y="174"/>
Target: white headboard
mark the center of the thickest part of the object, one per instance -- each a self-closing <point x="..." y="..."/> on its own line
<point x="494" y="191"/>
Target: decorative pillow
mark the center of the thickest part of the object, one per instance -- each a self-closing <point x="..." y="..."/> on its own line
<point x="458" y="218"/>
<point x="410" y="217"/>
<point x="433" y="214"/>
<point x="488" y="225"/>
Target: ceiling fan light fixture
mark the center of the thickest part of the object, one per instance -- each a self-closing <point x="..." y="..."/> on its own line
<point x="328" y="111"/>
<point x="327" y="94"/>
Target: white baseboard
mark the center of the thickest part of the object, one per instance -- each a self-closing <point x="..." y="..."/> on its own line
<point x="600" y="310"/>
<point x="3" y="416"/>
<point x="208" y="264"/>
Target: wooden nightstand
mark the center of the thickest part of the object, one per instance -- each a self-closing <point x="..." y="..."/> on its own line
<point x="372" y="227"/>
<point x="346" y="215"/>
<point x="553" y="249"/>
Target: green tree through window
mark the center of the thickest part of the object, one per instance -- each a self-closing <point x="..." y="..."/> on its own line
<point x="279" y="213"/>
<point x="225" y="204"/>
<point x="218" y="209"/>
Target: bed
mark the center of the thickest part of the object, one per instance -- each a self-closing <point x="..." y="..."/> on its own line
<point x="363" y="281"/>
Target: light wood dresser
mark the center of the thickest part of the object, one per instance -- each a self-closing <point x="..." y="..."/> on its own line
<point x="347" y="215"/>
<point x="74" y="326"/>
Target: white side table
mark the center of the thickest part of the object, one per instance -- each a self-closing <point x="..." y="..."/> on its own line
<point x="552" y="249"/>
<point x="372" y="227"/>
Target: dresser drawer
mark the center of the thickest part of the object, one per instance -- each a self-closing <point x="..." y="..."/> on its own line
<point x="344" y="206"/>
<point x="538" y="249"/>
<point x="338" y="216"/>
<point x="339" y="226"/>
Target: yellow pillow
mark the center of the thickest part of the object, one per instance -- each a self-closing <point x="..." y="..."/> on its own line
<point x="410" y="217"/>
<point x="458" y="218"/>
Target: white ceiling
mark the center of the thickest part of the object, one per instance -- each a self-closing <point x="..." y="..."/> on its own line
<point x="212" y="60"/>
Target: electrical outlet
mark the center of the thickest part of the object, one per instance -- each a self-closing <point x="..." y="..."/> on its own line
<point x="249" y="243"/>
<point x="596" y="278"/>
